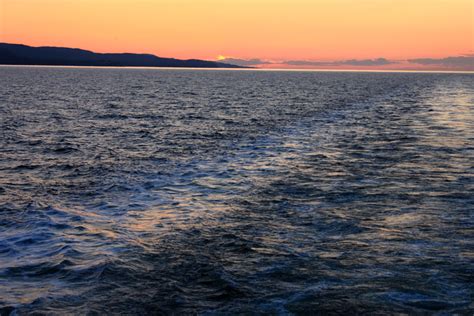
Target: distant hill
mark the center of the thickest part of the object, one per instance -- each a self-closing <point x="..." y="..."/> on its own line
<point x="15" y="54"/>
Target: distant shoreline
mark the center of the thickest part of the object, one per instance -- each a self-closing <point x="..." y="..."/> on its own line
<point x="247" y="69"/>
<point x="18" y="54"/>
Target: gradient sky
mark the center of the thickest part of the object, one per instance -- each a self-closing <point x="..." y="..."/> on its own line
<point x="276" y="30"/>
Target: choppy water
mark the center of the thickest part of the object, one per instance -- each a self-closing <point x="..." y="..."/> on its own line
<point x="223" y="192"/>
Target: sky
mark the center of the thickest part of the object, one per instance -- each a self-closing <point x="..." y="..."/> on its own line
<point x="398" y="34"/>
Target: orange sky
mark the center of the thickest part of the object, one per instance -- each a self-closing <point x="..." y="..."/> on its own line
<point x="266" y="29"/>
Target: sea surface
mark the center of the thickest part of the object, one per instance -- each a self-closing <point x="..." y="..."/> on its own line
<point x="145" y="191"/>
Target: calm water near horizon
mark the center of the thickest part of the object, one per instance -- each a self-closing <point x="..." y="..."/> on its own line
<point x="135" y="191"/>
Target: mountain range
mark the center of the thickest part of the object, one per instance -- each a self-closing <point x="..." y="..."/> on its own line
<point x="17" y="54"/>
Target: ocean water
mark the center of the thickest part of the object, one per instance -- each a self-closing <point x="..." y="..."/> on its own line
<point x="144" y="191"/>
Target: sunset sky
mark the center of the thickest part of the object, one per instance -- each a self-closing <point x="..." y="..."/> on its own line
<point x="296" y="33"/>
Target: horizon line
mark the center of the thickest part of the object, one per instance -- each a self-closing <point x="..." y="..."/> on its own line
<point x="368" y="68"/>
<point x="249" y="69"/>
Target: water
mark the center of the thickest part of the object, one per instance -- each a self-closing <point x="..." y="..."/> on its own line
<point x="222" y="192"/>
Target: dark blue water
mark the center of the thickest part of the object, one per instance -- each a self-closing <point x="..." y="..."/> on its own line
<point x="235" y="192"/>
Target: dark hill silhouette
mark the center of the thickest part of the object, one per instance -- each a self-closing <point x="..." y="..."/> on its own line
<point x="16" y="54"/>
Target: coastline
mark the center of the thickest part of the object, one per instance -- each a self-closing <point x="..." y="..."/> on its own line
<point x="470" y="72"/>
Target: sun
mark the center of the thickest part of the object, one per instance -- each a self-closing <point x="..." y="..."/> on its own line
<point x="220" y="57"/>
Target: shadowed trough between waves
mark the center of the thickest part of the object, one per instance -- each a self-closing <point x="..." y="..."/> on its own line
<point x="221" y="192"/>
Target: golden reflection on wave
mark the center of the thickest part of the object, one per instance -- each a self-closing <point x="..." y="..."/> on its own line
<point x="458" y="119"/>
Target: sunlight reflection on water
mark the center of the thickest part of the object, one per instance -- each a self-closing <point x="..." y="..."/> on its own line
<point x="235" y="192"/>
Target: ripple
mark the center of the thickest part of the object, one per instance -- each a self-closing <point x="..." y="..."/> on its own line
<point x="249" y="192"/>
